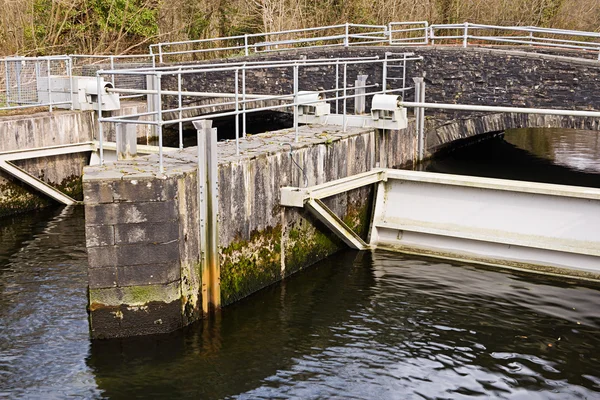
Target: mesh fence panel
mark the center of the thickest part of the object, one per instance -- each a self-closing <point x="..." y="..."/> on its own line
<point x="22" y="79"/>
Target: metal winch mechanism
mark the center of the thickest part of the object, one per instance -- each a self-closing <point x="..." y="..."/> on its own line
<point x="388" y="113"/>
<point x="312" y="107"/>
<point x="83" y="90"/>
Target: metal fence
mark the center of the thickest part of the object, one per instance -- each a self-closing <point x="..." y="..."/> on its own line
<point x="170" y="105"/>
<point x="395" y="34"/>
<point x="27" y="81"/>
<point x="475" y="34"/>
<point x="319" y="37"/>
<point x="24" y="81"/>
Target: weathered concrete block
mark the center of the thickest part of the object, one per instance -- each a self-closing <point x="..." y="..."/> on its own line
<point x="105" y="256"/>
<point x="140" y="190"/>
<point x="97" y="192"/>
<point x="147" y="253"/>
<point x="141" y="275"/>
<point x="130" y="213"/>
<point x="146" y="232"/>
<point x="99" y="235"/>
<point x="105" y="277"/>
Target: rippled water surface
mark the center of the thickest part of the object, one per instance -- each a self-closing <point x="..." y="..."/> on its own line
<point x="561" y="156"/>
<point x="372" y="325"/>
<point x="358" y="325"/>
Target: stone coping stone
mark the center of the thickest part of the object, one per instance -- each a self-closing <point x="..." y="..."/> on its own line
<point x="177" y="163"/>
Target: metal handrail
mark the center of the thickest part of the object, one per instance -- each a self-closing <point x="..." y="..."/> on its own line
<point x="165" y="114"/>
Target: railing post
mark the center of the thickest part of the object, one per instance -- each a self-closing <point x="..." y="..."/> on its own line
<point x="347" y="38"/>
<point x="100" y="127"/>
<point x="403" y="75"/>
<point x="296" y="102"/>
<point x="344" y="102"/>
<point x="426" y="33"/>
<point x="159" y="122"/>
<point x="180" y="105"/>
<point x="466" y="35"/>
<point x="70" y="72"/>
<point x="384" y="72"/>
<point x="390" y="33"/>
<point x="160" y="53"/>
<point x="112" y="68"/>
<point x="244" y="100"/>
<point x="208" y="207"/>
<point x="337" y="85"/>
<point x="246" y="44"/>
<point x="420" y="117"/>
<point x="237" y="112"/>
<point x="49" y="84"/>
<point x="7" y="79"/>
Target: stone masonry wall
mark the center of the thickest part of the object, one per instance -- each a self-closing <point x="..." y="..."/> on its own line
<point x="484" y="76"/>
<point x="142" y="242"/>
<point x="142" y="229"/>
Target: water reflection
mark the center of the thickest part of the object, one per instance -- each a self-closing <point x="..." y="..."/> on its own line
<point x="377" y="325"/>
<point x="358" y="325"/>
<point x="562" y="156"/>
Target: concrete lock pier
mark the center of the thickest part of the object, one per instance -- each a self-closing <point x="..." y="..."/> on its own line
<point x="174" y="236"/>
<point x="164" y="253"/>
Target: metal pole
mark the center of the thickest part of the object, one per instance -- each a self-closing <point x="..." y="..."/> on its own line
<point x="180" y="103"/>
<point x="344" y="104"/>
<point x="49" y="85"/>
<point x="237" y="113"/>
<point x="112" y="68"/>
<point x="246" y="44"/>
<point x="346" y="38"/>
<point x="391" y="34"/>
<point x="160" y="54"/>
<point x="337" y="84"/>
<point x="466" y="35"/>
<point x="70" y="72"/>
<point x="403" y="75"/>
<point x="244" y="100"/>
<point x="159" y="121"/>
<point x="7" y="78"/>
<point x="384" y="72"/>
<point x="100" y="127"/>
<point x="18" y="69"/>
<point x="208" y="199"/>
<point x="418" y="121"/>
<point x="296" y="102"/>
<point x="422" y="118"/>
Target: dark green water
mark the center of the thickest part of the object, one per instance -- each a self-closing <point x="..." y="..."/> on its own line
<point x="358" y="325"/>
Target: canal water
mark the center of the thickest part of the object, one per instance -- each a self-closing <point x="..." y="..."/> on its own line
<point x="357" y="325"/>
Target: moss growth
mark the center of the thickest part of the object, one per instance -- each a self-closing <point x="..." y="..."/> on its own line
<point x="308" y="244"/>
<point x="72" y="187"/>
<point x="249" y="265"/>
<point x="16" y="197"/>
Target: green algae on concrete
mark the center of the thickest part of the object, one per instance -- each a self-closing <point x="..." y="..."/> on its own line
<point x="250" y="265"/>
<point x="134" y="295"/>
<point x="16" y="197"/>
<point x="308" y="242"/>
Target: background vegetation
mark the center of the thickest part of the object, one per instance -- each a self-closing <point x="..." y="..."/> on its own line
<point x="41" y="27"/>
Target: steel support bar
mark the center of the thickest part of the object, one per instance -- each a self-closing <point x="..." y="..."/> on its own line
<point x="296" y="197"/>
<point x="335" y="224"/>
<point x="36" y="183"/>
<point x="502" y="109"/>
